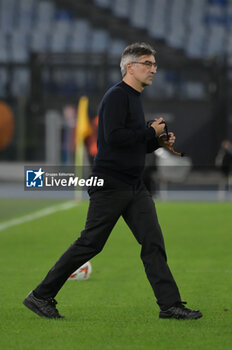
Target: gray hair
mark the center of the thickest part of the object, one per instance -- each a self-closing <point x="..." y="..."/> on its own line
<point x="133" y="52"/>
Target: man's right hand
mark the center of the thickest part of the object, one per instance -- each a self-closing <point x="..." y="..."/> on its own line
<point x="159" y="128"/>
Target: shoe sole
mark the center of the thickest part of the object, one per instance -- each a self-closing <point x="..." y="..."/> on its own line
<point x="176" y="318"/>
<point x="31" y="306"/>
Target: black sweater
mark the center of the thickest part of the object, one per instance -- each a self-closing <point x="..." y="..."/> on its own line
<point x="123" y="138"/>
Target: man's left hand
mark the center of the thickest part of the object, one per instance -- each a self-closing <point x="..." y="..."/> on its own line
<point x="163" y="142"/>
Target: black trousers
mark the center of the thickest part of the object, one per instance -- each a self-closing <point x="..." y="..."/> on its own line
<point x="137" y="208"/>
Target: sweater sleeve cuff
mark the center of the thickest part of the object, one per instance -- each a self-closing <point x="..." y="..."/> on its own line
<point x="145" y="135"/>
<point x="150" y="133"/>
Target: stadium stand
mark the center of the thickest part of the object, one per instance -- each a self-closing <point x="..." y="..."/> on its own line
<point x="138" y="13"/>
<point x="121" y="8"/>
<point x="100" y="41"/>
<point x="4" y="48"/>
<point x="54" y="51"/>
<point x="103" y="3"/>
<point x="200" y="29"/>
<point x="158" y="19"/>
<point x="80" y="36"/>
<point x="177" y="32"/>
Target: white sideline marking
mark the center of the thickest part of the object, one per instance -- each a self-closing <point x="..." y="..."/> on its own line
<point x="38" y="214"/>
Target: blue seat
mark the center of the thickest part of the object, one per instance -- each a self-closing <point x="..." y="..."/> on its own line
<point x="61" y="31"/>
<point x="99" y="41"/>
<point x="121" y="8"/>
<point x="116" y="47"/>
<point x="20" y="85"/>
<point x="80" y="36"/>
<point x="63" y="15"/>
<point x="4" y="54"/>
<point x="177" y="29"/>
<point x="58" y="42"/>
<point x="19" y="47"/>
<point x="7" y="15"/>
<point x="157" y="19"/>
<point x="45" y="11"/>
<point x="39" y="41"/>
<point x="138" y="13"/>
<point x="195" y="44"/>
<point x="222" y="3"/>
<point x="103" y="3"/>
<point x="216" y="41"/>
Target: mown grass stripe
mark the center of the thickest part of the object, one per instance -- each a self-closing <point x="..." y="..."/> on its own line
<point x="38" y="214"/>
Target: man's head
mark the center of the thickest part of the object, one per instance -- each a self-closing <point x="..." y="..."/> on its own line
<point x="138" y="65"/>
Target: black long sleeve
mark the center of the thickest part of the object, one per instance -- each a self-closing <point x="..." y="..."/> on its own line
<point x="123" y="138"/>
<point x="115" y="123"/>
<point x="152" y="144"/>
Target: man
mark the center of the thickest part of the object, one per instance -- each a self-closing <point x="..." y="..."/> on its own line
<point x="123" y="141"/>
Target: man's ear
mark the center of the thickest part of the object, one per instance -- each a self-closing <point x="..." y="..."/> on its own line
<point x="129" y="67"/>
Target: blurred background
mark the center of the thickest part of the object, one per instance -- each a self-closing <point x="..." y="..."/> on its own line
<point x="53" y="52"/>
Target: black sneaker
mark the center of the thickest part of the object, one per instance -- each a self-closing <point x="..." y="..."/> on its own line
<point x="42" y="307"/>
<point x="180" y="312"/>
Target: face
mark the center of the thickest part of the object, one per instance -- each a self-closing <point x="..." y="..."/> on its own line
<point x="142" y="70"/>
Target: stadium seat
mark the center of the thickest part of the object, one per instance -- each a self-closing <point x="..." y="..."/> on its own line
<point x="157" y="19"/>
<point x="158" y="87"/>
<point x="100" y="41"/>
<point x="196" y="13"/>
<point x="114" y="76"/>
<point x="61" y="31"/>
<point x="25" y="14"/>
<point x="45" y="11"/>
<point x="58" y="42"/>
<point x="19" y="47"/>
<point x="194" y="90"/>
<point x="138" y="13"/>
<point x="39" y="41"/>
<point x="163" y="85"/>
<point x="7" y="15"/>
<point x="196" y="28"/>
<point x="177" y="38"/>
<point x="228" y="19"/>
<point x="62" y="23"/>
<point x="116" y="47"/>
<point x="195" y="43"/>
<point x="216" y="40"/>
<point x="4" y="55"/>
<point x="203" y="28"/>
<point x="215" y="14"/>
<point x="21" y="79"/>
<point x="215" y="21"/>
<point x="179" y="9"/>
<point x="103" y="3"/>
<point x="177" y="24"/>
<point x="171" y="82"/>
<point x="80" y="79"/>
<point x="80" y="36"/>
<point x="115" y="50"/>
<point x="43" y="20"/>
<point x="218" y="2"/>
<point x="121" y="8"/>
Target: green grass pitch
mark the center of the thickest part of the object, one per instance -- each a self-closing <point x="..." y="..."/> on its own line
<point x="115" y="308"/>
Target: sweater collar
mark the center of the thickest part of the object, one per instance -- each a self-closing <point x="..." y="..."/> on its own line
<point x="129" y="88"/>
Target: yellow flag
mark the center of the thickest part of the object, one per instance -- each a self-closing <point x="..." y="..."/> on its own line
<point x="83" y="130"/>
<point x="83" y="126"/>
